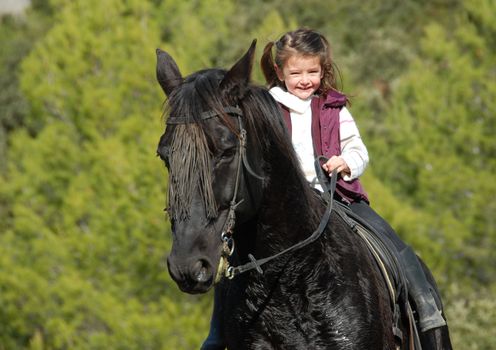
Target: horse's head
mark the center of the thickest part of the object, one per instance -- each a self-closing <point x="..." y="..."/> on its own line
<point x="204" y="148"/>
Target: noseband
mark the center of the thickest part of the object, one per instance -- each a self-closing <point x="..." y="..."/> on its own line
<point x="227" y="231"/>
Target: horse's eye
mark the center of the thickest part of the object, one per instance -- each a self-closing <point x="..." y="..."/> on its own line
<point x="228" y="153"/>
<point x="224" y="156"/>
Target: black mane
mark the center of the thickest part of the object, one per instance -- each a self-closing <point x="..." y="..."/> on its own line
<point x="201" y="92"/>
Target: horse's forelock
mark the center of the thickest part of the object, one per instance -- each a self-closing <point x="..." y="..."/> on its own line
<point x="190" y="157"/>
<point x="189" y="170"/>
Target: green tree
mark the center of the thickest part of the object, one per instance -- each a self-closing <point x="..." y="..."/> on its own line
<point x="439" y="132"/>
<point x="197" y="41"/>
<point x="17" y="36"/>
<point x="82" y="236"/>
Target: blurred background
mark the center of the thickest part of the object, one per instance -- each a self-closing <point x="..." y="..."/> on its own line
<point x="82" y="232"/>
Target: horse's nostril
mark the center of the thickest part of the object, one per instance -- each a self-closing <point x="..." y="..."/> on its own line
<point x="200" y="270"/>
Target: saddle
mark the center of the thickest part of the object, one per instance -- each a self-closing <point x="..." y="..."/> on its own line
<point x="389" y="263"/>
<point x="386" y="256"/>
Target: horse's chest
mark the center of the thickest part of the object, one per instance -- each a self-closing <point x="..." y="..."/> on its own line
<point x="278" y="318"/>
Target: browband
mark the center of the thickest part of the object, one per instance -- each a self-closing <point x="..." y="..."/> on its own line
<point x="232" y="110"/>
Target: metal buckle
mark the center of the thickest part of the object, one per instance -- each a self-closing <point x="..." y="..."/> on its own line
<point x="230" y="273"/>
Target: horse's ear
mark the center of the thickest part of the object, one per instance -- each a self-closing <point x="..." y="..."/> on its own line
<point x="239" y="74"/>
<point x="168" y="74"/>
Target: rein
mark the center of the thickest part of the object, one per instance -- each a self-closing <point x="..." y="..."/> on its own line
<point x="226" y="236"/>
<point x="328" y="192"/>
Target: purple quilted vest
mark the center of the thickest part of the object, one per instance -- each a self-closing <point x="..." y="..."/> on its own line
<point x="326" y="140"/>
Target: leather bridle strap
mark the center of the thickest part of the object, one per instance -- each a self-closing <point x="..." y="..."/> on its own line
<point x="226" y="234"/>
<point x="256" y="264"/>
<point x="231" y="110"/>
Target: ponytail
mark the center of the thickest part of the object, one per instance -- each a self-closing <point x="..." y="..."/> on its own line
<point x="267" y="65"/>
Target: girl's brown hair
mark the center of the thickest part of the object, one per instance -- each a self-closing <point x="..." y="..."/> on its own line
<point x="305" y="42"/>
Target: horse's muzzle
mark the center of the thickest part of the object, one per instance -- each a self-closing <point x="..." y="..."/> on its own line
<point x="192" y="275"/>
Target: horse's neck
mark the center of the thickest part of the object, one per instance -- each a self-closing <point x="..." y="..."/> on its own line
<point x="288" y="213"/>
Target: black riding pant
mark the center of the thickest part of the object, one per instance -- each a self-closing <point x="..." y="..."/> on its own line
<point x="365" y="211"/>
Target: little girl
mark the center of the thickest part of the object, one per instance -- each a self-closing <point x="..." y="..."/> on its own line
<point x="318" y="126"/>
<point x="301" y="77"/>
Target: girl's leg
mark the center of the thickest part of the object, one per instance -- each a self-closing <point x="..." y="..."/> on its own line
<point x="365" y="211"/>
<point x="418" y="287"/>
<point x="215" y="339"/>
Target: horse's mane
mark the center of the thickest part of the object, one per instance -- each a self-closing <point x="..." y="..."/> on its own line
<point x="268" y="130"/>
<point x="200" y="92"/>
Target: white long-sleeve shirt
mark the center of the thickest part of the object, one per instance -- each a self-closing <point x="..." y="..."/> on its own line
<point x="353" y="150"/>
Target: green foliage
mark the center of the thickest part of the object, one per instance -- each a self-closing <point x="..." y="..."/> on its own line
<point x="195" y="40"/>
<point x="470" y="317"/>
<point x="83" y="236"/>
<point x="16" y="37"/>
<point x="439" y="131"/>
<point x="88" y="82"/>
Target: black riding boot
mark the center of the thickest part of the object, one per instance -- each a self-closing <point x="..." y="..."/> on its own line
<point x="421" y="292"/>
<point x="215" y="339"/>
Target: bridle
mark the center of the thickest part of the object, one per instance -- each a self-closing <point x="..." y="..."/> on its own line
<point x="226" y="235"/>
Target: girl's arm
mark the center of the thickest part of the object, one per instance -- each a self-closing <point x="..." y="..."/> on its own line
<point x="353" y="150"/>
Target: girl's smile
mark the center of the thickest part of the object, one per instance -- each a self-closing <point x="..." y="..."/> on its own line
<point x="301" y="75"/>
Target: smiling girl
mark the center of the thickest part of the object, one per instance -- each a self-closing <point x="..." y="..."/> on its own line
<point x="302" y="79"/>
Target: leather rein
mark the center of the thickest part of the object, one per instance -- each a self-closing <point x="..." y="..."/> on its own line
<point x="226" y="235"/>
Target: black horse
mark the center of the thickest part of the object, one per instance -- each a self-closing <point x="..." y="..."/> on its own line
<point x="234" y="177"/>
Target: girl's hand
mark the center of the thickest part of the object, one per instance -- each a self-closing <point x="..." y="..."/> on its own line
<point x="338" y="163"/>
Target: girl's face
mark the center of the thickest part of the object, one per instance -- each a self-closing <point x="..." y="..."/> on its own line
<point x="301" y="75"/>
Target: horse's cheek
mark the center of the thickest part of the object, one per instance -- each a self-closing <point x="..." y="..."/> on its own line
<point x="223" y="186"/>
